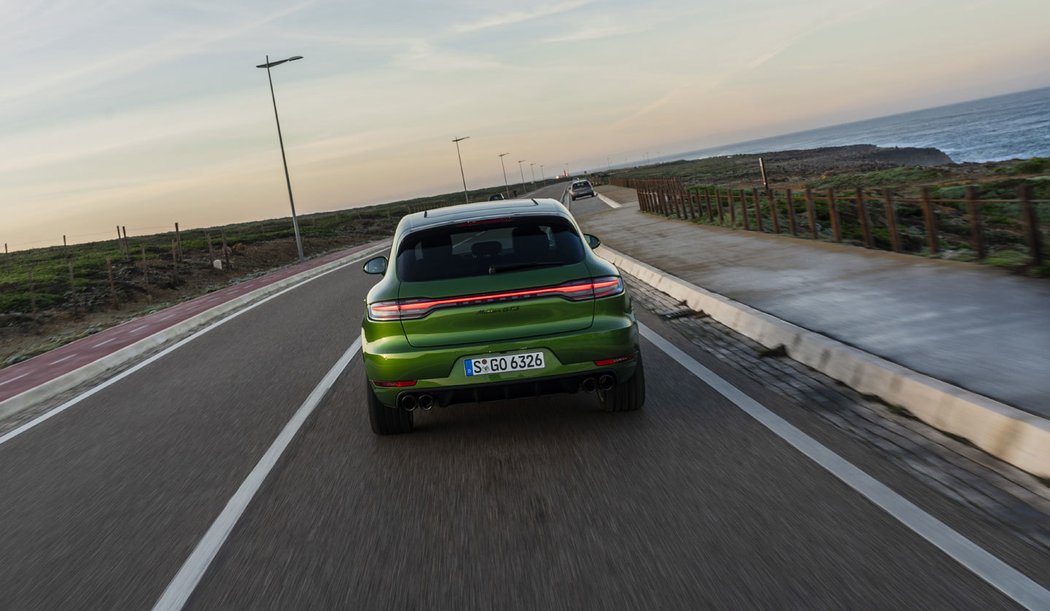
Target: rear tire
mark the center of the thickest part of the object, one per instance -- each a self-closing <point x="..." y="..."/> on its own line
<point x="386" y="420"/>
<point x="628" y="396"/>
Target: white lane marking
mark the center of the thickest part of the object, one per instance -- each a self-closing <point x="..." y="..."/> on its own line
<point x="608" y="201"/>
<point x="165" y="317"/>
<point x="995" y="572"/>
<point x="65" y="358"/>
<point x="104" y="342"/>
<point x="14" y="378"/>
<point x="138" y="328"/>
<point x="186" y="580"/>
<point x="68" y="404"/>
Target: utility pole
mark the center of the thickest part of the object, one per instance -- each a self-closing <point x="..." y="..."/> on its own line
<point x="521" y="161"/>
<point x="466" y="198"/>
<point x="506" y="186"/>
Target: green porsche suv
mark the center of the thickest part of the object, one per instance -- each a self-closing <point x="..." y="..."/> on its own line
<point x="492" y="301"/>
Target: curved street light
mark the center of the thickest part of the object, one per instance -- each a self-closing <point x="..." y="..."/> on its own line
<point x="466" y="198"/>
<point x="506" y="187"/>
<point x="295" y="220"/>
<point x="521" y="161"/>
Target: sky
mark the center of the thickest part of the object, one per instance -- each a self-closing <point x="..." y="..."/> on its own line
<point x="144" y="113"/>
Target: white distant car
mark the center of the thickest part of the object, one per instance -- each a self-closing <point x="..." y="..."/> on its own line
<point x="581" y="188"/>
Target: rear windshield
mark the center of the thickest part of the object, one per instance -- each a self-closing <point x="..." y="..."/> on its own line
<point x="581" y="185"/>
<point x="488" y="247"/>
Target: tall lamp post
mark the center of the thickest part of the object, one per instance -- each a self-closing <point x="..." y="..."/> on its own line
<point x="466" y="198"/>
<point x="542" y="178"/>
<point x="532" y="168"/>
<point x="295" y="220"/>
<point x="521" y="161"/>
<point x="506" y="187"/>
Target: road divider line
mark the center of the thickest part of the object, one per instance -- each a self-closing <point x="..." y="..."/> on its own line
<point x="68" y="404"/>
<point x="609" y="202"/>
<point x="63" y="359"/>
<point x="14" y="378"/>
<point x="982" y="563"/>
<point x="186" y="580"/>
<point x="104" y="342"/>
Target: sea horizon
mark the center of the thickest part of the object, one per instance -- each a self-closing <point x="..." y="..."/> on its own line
<point x="1006" y="126"/>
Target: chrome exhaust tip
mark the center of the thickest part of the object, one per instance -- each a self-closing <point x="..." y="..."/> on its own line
<point x="408" y="402"/>
<point x="588" y="385"/>
<point x="426" y="402"/>
<point x="606" y="382"/>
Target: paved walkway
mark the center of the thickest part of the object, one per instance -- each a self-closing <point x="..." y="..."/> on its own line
<point x="979" y="328"/>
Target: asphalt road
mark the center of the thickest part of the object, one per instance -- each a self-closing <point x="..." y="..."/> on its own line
<point x="689" y="503"/>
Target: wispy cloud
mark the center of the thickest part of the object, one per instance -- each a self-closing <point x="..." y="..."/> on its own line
<point x="515" y="17"/>
<point x="593" y="32"/>
<point x="423" y="55"/>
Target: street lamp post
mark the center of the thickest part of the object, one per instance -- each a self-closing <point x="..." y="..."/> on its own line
<point x="532" y="168"/>
<point x="521" y="161"/>
<point x="506" y="187"/>
<point x="466" y="198"/>
<point x="542" y="178"/>
<point x="295" y="220"/>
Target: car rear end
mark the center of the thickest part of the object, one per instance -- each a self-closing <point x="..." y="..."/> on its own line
<point x="497" y="307"/>
<point x="581" y="188"/>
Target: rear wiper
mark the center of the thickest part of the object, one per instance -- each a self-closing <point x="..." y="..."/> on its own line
<point x="495" y="269"/>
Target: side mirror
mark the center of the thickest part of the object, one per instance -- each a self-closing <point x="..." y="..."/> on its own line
<point x="375" y="265"/>
<point x="592" y="241"/>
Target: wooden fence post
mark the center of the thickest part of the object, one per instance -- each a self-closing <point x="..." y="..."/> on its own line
<point x="811" y="213"/>
<point x="772" y="194"/>
<point x="790" y="197"/>
<point x="120" y="242"/>
<point x="225" y="251"/>
<point x="732" y="208"/>
<point x="758" y="210"/>
<point x="743" y="209"/>
<point x="178" y="241"/>
<point x="891" y="220"/>
<point x="707" y="202"/>
<point x="930" y="221"/>
<point x="862" y="216"/>
<point x="718" y="201"/>
<point x="833" y="211"/>
<point x="73" y="290"/>
<point x="976" y="231"/>
<point x="127" y="244"/>
<point x="1031" y="225"/>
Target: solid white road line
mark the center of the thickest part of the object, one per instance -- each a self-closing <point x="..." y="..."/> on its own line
<point x="186" y="580"/>
<point x="995" y="572"/>
<point x="104" y="342"/>
<point x="68" y="404"/>
<point x="608" y="201"/>
<point x="65" y="358"/>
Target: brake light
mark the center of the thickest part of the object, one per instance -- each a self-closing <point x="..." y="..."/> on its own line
<point x="615" y="361"/>
<point x="579" y="290"/>
<point x="394" y="383"/>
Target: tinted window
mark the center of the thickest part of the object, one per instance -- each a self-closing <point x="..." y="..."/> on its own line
<point x="488" y="247"/>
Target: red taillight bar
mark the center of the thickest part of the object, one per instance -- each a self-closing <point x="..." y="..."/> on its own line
<point x="418" y="308"/>
<point x="615" y="361"/>
<point x="394" y="383"/>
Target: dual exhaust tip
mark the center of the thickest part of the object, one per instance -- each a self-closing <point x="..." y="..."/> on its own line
<point x="603" y="383"/>
<point x="411" y="402"/>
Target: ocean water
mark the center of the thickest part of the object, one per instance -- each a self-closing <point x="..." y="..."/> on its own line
<point x="1015" y="125"/>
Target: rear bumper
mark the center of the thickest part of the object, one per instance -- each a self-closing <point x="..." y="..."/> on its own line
<point x="518" y="389"/>
<point x="440" y="371"/>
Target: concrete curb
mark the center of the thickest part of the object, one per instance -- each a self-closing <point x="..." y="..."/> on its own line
<point x="76" y="377"/>
<point x="1013" y="435"/>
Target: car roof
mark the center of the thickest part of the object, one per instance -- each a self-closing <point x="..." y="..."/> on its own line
<point x="482" y="210"/>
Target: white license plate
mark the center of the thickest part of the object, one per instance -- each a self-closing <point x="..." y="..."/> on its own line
<point x="503" y="363"/>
